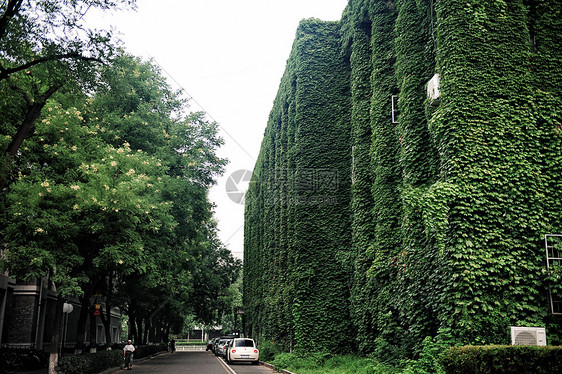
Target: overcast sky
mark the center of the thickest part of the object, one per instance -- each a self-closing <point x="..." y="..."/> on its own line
<point x="229" y="56"/>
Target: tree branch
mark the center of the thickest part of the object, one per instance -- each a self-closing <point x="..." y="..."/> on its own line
<point x="5" y="73"/>
<point x="12" y="9"/>
<point x="27" y="127"/>
<point x="26" y="97"/>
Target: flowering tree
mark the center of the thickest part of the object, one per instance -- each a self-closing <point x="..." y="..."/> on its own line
<point x="110" y="198"/>
<point x="44" y="45"/>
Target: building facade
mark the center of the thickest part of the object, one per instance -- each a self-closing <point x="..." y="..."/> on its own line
<point x="27" y="316"/>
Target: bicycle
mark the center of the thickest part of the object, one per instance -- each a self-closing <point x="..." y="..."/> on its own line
<point x="10" y="361"/>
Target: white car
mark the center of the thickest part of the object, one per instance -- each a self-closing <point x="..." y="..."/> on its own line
<point x="243" y="350"/>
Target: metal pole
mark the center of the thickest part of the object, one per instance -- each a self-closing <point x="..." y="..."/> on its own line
<point x="38" y="335"/>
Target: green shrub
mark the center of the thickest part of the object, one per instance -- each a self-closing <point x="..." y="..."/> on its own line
<point x="326" y="364"/>
<point x="435" y="358"/>
<point x="497" y="359"/>
<point x="73" y="364"/>
<point x="90" y="363"/>
<point x="268" y="350"/>
<point x="386" y="352"/>
<point x="428" y="360"/>
<point x="294" y="362"/>
<point x="149" y="350"/>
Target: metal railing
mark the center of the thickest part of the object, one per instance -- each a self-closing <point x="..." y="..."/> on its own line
<point x="191" y="347"/>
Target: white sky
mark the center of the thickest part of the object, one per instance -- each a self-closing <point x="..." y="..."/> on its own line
<point x="229" y="56"/>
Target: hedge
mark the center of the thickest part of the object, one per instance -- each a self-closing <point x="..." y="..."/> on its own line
<point x="499" y="359"/>
<point x="91" y="363"/>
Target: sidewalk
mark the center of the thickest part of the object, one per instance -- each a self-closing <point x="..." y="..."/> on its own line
<point x="107" y="371"/>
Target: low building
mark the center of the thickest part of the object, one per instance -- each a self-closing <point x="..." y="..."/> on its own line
<point x="27" y="316"/>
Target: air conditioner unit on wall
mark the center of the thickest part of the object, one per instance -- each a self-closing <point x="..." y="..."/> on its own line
<point x="433" y="91"/>
<point x="528" y="335"/>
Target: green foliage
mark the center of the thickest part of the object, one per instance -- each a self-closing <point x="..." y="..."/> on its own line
<point x="268" y="350"/>
<point x="49" y="31"/>
<point x="299" y="203"/>
<point x="436" y="358"/>
<point x="90" y="362"/>
<point x="107" y="210"/>
<point x="331" y="365"/>
<point x="502" y="359"/>
<point x="447" y="207"/>
<point x="79" y="192"/>
<point x="198" y="342"/>
<point x="362" y="199"/>
<point x="428" y="361"/>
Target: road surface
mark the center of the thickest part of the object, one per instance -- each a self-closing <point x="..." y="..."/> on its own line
<point x="193" y="362"/>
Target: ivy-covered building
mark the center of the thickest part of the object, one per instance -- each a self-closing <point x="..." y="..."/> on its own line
<point x="410" y="168"/>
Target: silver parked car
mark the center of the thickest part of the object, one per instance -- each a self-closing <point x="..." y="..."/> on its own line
<point x="220" y="349"/>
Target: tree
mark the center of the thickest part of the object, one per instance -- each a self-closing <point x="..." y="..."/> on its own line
<point x="135" y="221"/>
<point x="44" y="44"/>
<point x="33" y="32"/>
<point x="138" y="105"/>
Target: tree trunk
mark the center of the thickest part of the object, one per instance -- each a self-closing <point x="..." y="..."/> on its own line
<point x="85" y="312"/>
<point x="167" y="333"/>
<point x="93" y="329"/>
<point x="33" y="112"/>
<point x="106" y="320"/>
<point x="81" y="326"/>
<point x="25" y="129"/>
<point x="146" y="331"/>
<point x="139" y="330"/>
<point x="57" y="335"/>
<point x="106" y="317"/>
<point x="132" y="333"/>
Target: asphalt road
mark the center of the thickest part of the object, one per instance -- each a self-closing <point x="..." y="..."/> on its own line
<point x="197" y="362"/>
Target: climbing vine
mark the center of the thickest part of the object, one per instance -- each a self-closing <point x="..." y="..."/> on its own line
<point x="438" y="222"/>
<point x="300" y="187"/>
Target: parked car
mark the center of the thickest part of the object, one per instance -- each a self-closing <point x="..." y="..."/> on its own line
<point x="215" y="344"/>
<point x="242" y="350"/>
<point x="209" y="345"/>
<point x="218" y="339"/>
<point x="220" y="348"/>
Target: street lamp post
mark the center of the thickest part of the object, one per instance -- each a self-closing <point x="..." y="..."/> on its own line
<point x="66" y="310"/>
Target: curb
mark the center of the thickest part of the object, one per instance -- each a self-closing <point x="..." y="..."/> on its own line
<point x="267" y="364"/>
